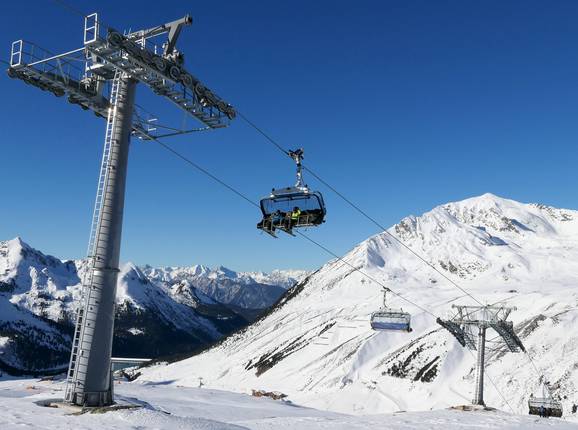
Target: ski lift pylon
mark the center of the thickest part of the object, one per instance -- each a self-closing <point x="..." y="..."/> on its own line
<point x="292" y="207"/>
<point x="390" y="319"/>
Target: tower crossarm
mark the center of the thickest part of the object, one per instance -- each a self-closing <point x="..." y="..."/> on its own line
<point x="59" y="74"/>
<point x="506" y="331"/>
<point x="481" y="315"/>
<point x="163" y="73"/>
<point x="62" y="76"/>
<point x="490" y="316"/>
<point x="462" y="335"/>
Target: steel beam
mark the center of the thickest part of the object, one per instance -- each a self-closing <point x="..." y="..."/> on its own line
<point x="480" y="367"/>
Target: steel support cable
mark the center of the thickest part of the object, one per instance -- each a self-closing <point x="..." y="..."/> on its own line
<point x="526" y="352"/>
<point x="286" y="152"/>
<point x="374" y="221"/>
<point x="248" y="200"/>
<point x="70" y="7"/>
<point x="493" y="383"/>
<point x="206" y="172"/>
<point x="262" y="133"/>
<point x="370" y="218"/>
<point x="272" y="141"/>
<point x="327" y="250"/>
<point x="533" y="363"/>
<point x="357" y="208"/>
<point x="324" y="248"/>
<point x="77" y="11"/>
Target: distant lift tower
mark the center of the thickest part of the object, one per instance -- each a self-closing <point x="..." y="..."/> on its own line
<point x="470" y="318"/>
<point x="102" y="76"/>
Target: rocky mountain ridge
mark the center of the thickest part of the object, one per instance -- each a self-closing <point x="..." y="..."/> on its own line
<point x="316" y="344"/>
<point x="159" y="312"/>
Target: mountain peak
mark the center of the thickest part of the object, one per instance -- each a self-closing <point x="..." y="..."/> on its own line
<point x="317" y="345"/>
<point x="200" y="269"/>
<point x="227" y="272"/>
<point x="486" y="200"/>
<point x="17" y="243"/>
<point x="12" y="252"/>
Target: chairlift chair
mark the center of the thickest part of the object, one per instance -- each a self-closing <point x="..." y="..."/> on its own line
<point x="277" y="208"/>
<point x="545" y="406"/>
<point x="386" y="318"/>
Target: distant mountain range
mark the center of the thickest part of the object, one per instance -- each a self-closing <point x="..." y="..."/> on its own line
<point x="160" y="311"/>
<point x="317" y="347"/>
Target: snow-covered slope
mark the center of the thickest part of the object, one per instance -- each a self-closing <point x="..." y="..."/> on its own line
<point x="159" y="311"/>
<point x="317" y="346"/>
<point x="170" y="407"/>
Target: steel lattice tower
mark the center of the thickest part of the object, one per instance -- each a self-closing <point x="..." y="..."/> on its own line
<point x="113" y="66"/>
<point x="469" y="318"/>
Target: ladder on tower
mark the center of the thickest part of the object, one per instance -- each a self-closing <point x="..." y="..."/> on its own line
<point x="85" y="317"/>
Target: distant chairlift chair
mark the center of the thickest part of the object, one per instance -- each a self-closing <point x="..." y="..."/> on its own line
<point x="279" y="207"/>
<point x="390" y="319"/>
<point x="545" y="406"/>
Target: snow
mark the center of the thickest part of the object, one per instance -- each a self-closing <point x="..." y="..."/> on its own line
<point x="173" y="407"/>
<point x="49" y="287"/>
<point x="283" y="278"/>
<point x="38" y="289"/>
<point x="317" y="346"/>
<point x="4" y="341"/>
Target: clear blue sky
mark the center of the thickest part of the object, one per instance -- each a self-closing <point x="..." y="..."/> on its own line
<point x="401" y="105"/>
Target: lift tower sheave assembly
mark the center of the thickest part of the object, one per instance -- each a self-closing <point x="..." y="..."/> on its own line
<point x="113" y="66"/>
<point x="475" y="320"/>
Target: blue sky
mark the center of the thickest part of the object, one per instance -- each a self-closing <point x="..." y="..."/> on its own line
<point x="401" y="105"/>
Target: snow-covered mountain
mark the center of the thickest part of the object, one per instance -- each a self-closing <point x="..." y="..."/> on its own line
<point x="245" y="290"/>
<point x="317" y="347"/>
<point x="159" y="311"/>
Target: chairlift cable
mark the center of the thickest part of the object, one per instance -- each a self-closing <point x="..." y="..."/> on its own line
<point x="261" y="132"/>
<point x="324" y="248"/>
<point x="77" y="11"/>
<point x="272" y="141"/>
<point x="494" y="384"/>
<point x="374" y="221"/>
<point x="73" y="9"/>
<point x="371" y="219"/>
<point x="247" y="199"/>
<point x="232" y="189"/>
<point x="357" y="208"/>
<point x="205" y="171"/>
<point x="341" y="259"/>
